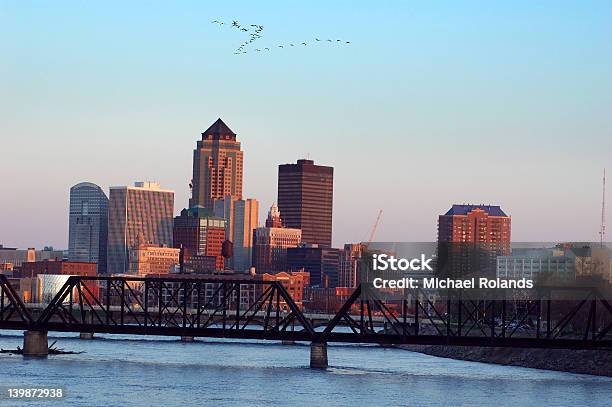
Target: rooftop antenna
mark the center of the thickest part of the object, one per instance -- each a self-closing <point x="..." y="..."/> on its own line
<point x="602" y="227"/>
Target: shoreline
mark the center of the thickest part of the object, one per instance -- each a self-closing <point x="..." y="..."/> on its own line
<point x="592" y="362"/>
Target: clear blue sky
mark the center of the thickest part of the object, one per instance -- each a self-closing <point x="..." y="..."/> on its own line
<point x="432" y="103"/>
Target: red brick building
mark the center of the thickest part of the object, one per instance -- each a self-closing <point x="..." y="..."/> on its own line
<point x="294" y="283"/>
<point x="75" y="268"/>
<point x="470" y="237"/>
<point x="474" y="223"/>
<point x="201" y="235"/>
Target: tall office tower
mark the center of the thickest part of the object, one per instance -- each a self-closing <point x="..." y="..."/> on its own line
<point x="217" y="166"/>
<point x="470" y="237"/>
<point x="144" y="209"/>
<point x="348" y="270"/>
<point x="270" y="244"/>
<point x="201" y="234"/>
<point x="305" y="198"/>
<point x="241" y="217"/>
<point x="88" y="225"/>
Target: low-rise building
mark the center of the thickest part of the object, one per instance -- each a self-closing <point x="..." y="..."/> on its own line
<point x="152" y="259"/>
<point x="294" y="282"/>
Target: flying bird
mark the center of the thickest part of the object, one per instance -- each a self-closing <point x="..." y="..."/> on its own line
<point x="244" y="29"/>
<point x="303" y="43"/>
<point x="329" y="40"/>
<point x="235" y="24"/>
<point x="348" y="42"/>
<point x="317" y="39"/>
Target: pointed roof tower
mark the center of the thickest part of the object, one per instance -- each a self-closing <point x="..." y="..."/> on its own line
<point x="219" y="131"/>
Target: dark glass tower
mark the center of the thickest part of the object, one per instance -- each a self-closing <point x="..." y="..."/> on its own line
<point x="305" y="198"/>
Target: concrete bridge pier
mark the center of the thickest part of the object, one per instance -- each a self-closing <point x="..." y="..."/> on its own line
<point x="187" y="338"/>
<point x="35" y="343"/>
<point x="318" y="355"/>
<point x="86" y="335"/>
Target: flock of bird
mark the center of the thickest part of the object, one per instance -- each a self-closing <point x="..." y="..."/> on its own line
<point x="254" y="33"/>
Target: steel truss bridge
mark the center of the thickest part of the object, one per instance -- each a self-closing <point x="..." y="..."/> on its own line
<point x="238" y="308"/>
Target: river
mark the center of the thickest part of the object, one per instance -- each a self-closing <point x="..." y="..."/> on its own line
<point x="159" y="371"/>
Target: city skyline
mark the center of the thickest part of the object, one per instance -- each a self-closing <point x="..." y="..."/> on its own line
<point x="523" y="98"/>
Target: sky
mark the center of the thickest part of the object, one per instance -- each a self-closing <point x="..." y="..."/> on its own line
<point x="431" y="103"/>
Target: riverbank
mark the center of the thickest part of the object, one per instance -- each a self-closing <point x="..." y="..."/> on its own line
<point x="563" y="360"/>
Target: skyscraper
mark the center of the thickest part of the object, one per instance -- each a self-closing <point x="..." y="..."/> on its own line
<point x="88" y="225"/>
<point x="270" y="244"/>
<point x="144" y="209"/>
<point x="305" y="198"/>
<point x="241" y="217"/>
<point x="217" y="166"/>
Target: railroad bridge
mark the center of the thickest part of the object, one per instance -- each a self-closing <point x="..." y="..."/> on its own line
<point x="263" y="310"/>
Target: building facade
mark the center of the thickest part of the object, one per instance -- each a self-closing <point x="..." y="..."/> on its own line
<point x="19" y="256"/>
<point x="241" y="217"/>
<point x="320" y="262"/>
<point x="305" y="198"/>
<point x="474" y="224"/>
<point x="217" y="166"/>
<point x="293" y="282"/>
<point x="530" y="263"/>
<point x="73" y="268"/>
<point x="201" y="236"/>
<point x="152" y="259"/>
<point x="142" y="210"/>
<point x="470" y="237"/>
<point x="348" y="269"/>
<point x="88" y="225"/>
<point x="270" y="244"/>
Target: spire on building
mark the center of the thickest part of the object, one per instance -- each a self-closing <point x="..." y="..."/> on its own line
<point x="218" y="131"/>
<point x="274" y="218"/>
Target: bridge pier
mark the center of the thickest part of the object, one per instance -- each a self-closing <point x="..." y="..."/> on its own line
<point x="35" y="343"/>
<point x="187" y="338"/>
<point x="86" y="335"/>
<point x="318" y="355"/>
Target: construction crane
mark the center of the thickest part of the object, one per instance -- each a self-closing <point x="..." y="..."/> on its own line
<point x="602" y="226"/>
<point x="373" y="232"/>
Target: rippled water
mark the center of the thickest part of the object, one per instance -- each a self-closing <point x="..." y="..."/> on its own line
<point x="132" y="371"/>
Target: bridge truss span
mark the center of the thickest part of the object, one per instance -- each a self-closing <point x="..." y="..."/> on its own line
<point x="228" y="307"/>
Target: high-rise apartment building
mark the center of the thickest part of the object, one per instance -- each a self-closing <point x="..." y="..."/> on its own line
<point x="201" y="234"/>
<point x="241" y="217"/>
<point x="142" y="210"/>
<point x="270" y="244"/>
<point x="474" y="223"/>
<point x="88" y="225"/>
<point x="470" y="237"/>
<point x="305" y="198"/>
<point x="217" y="166"/>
